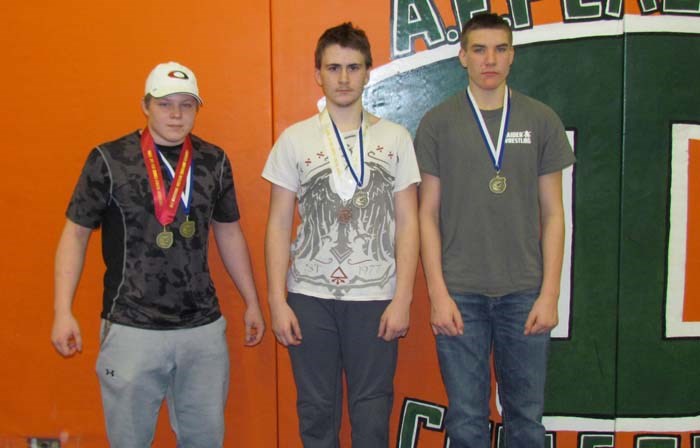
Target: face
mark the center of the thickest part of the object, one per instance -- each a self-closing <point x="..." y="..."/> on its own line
<point x="171" y="118"/>
<point x="487" y="58"/>
<point x="342" y="76"/>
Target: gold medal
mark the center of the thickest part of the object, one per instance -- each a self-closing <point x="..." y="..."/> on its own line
<point x="497" y="184"/>
<point x="164" y="240"/>
<point x="344" y="215"/>
<point x="187" y="228"/>
<point x="361" y="199"/>
<point x="166" y="203"/>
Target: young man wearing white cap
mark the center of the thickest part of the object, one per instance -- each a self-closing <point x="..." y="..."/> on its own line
<point x="156" y="193"/>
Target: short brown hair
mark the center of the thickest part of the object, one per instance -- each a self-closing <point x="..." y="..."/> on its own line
<point x="346" y="35"/>
<point x="484" y="21"/>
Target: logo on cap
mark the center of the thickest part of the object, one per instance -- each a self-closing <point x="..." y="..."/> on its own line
<point x="178" y="74"/>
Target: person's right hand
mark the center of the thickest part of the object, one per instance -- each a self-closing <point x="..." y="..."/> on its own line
<point x="445" y="317"/>
<point x="65" y="335"/>
<point x="285" y="325"/>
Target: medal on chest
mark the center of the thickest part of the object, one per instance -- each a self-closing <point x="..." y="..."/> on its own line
<point x="167" y="203"/>
<point x="498" y="183"/>
<point x="188" y="228"/>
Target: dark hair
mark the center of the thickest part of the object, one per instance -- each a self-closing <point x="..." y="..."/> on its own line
<point x="346" y="35"/>
<point x="484" y="21"/>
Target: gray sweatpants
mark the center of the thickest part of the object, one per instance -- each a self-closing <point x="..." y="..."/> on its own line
<point x="342" y="336"/>
<point x="138" y="368"/>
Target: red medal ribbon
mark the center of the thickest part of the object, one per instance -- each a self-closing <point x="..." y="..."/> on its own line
<point x="165" y="208"/>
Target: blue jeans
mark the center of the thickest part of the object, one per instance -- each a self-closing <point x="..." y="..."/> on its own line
<point x="520" y="362"/>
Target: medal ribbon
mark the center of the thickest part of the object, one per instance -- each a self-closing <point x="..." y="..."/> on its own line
<point x="165" y="206"/>
<point x="361" y="180"/>
<point x="496" y="153"/>
<point x="186" y="197"/>
<point x="334" y="144"/>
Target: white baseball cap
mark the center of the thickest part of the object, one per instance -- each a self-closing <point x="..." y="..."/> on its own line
<point x="171" y="77"/>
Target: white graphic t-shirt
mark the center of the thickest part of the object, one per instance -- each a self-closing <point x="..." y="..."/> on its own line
<point x="344" y="248"/>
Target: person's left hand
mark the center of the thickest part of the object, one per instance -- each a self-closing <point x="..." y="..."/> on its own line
<point x="254" y="325"/>
<point x="543" y="316"/>
<point x="395" y="320"/>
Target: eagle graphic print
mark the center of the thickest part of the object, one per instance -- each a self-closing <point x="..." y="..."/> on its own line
<point x="354" y="237"/>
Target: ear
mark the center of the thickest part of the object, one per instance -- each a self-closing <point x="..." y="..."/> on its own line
<point x="366" y="77"/>
<point x="144" y="108"/>
<point x="463" y="57"/>
<point x="317" y="75"/>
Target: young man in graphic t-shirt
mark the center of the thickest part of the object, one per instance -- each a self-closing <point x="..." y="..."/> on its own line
<point x="492" y="238"/>
<point x="341" y="297"/>
<point x="156" y="193"/>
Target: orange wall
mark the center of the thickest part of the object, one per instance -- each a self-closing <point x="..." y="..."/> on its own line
<point x="73" y="77"/>
<point x="691" y="310"/>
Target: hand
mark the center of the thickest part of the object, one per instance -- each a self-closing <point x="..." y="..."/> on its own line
<point x="445" y="317"/>
<point x="394" y="321"/>
<point x="543" y="316"/>
<point x="254" y="325"/>
<point x="285" y="325"/>
<point x="65" y="335"/>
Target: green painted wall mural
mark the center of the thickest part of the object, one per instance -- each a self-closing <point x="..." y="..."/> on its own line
<point x="619" y="86"/>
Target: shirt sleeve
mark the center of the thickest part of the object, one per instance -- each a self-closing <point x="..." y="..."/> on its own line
<point x="92" y="193"/>
<point x="281" y="166"/>
<point x="407" y="172"/>
<point x="555" y="152"/>
<point x="427" y="147"/>
<point x="226" y="206"/>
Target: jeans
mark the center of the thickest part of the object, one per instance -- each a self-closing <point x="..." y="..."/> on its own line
<point x="342" y="336"/>
<point x="494" y="323"/>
